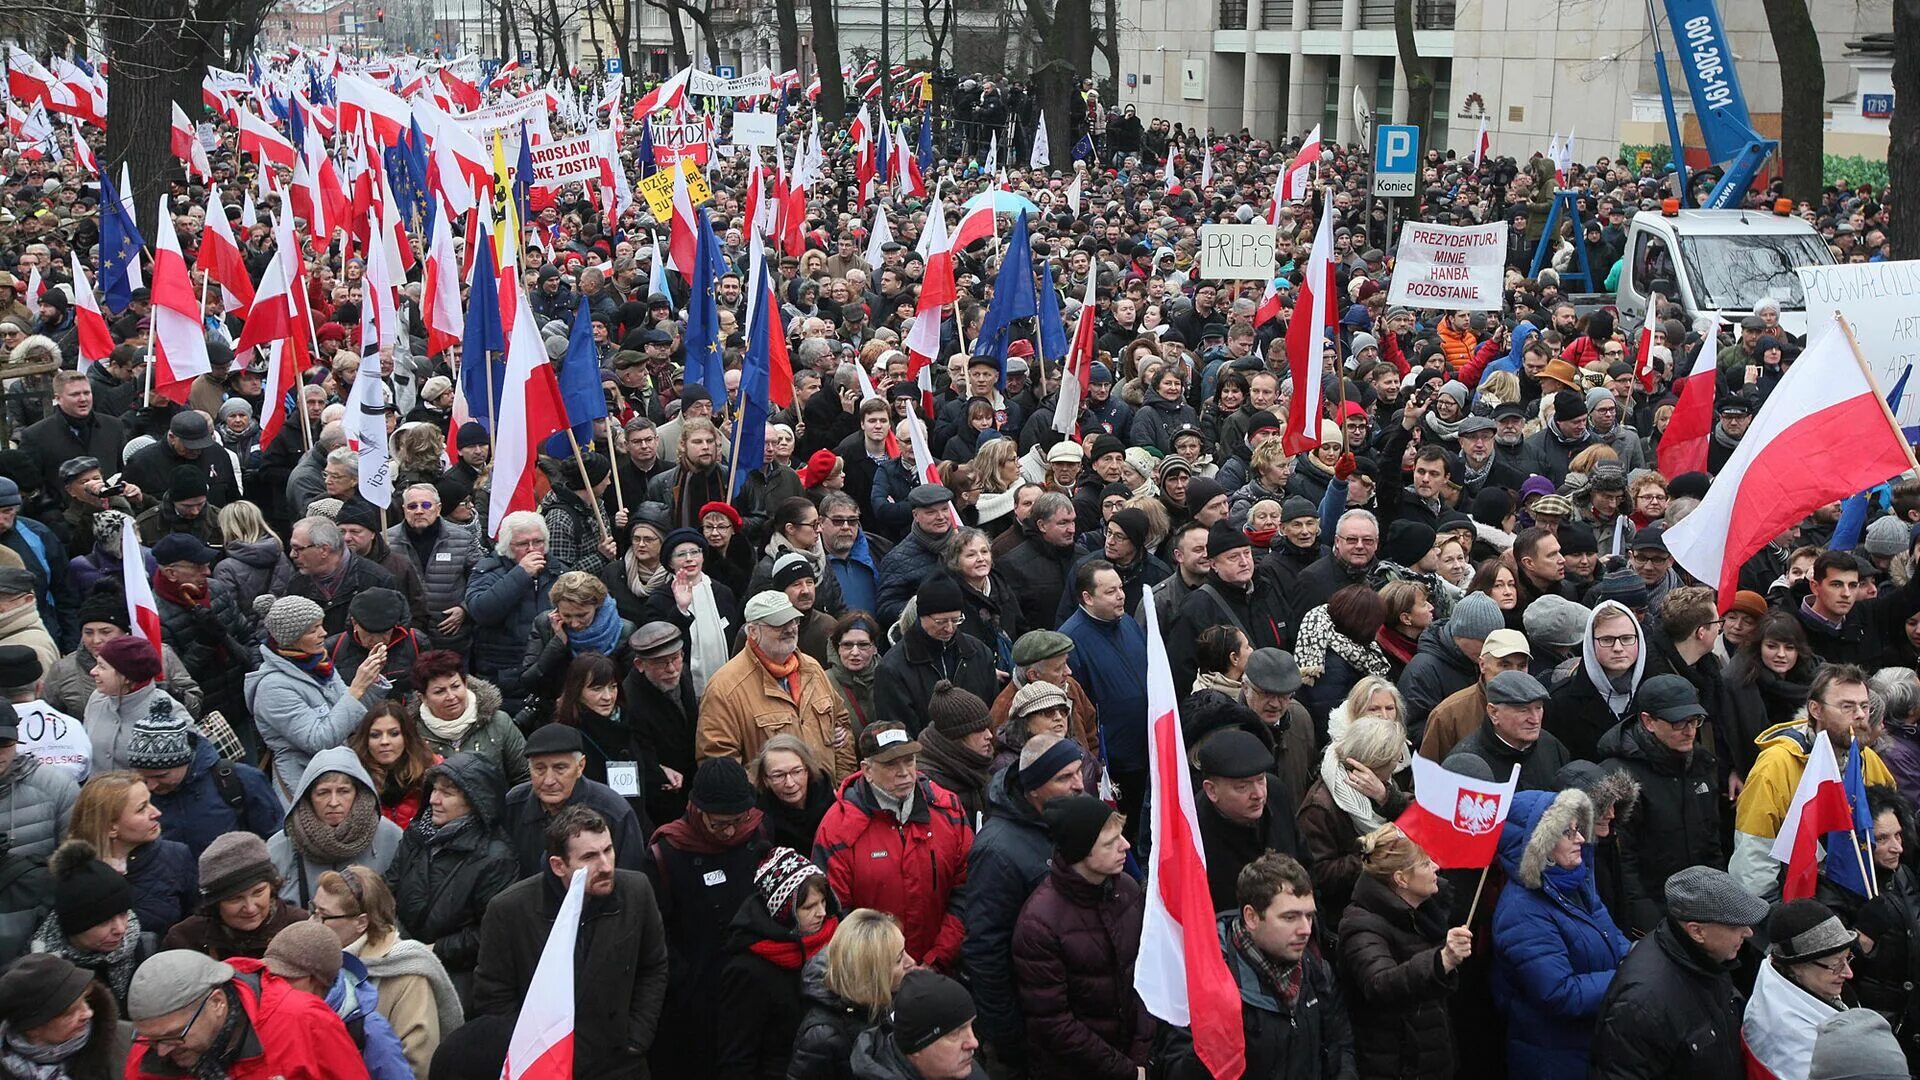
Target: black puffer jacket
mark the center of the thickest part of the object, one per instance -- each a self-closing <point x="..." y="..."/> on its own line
<point x="1675" y="825"/>
<point x="903" y="686"/>
<point x="215" y="643"/>
<point x="443" y="882"/>
<point x="823" y="1044"/>
<point x="1390" y="961"/>
<point x="1038" y="573"/>
<point x="760" y="998"/>
<point x="1670" y="1011"/>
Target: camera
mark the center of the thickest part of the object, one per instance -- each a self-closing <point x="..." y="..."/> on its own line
<point x="114" y="490"/>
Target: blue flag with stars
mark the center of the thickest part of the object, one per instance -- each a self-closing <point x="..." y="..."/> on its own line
<point x="484" y="336"/>
<point x="1013" y="299"/>
<point x="1053" y="332"/>
<point x="1845" y="867"/>
<point x="579" y="381"/>
<point x="120" y="244"/>
<point x="1083" y="150"/>
<point x="705" y="364"/>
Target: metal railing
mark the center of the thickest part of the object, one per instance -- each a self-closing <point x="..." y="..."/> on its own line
<point x="1233" y="14"/>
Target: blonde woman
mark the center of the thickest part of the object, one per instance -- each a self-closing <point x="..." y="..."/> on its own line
<point x="1373" y="695"/>
<point x="116" y="816"/>
<point x="1400" y="958"/>
<point x="1353" y="796"/>
<point x="256" y="562"/>
<point x="848" y="987"/>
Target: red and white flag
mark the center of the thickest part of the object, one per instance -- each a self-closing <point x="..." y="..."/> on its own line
<point x="682" y="234"/>
<point x="440" y="295"/>
<point x="1180" y="975"/>
<point x="1819" y="807"/>
<point x="1076" y="375"/>
<point x="1306" y="339"/>
<point x="542" y="1044"/>
<point x="1683" y="449"/>
<point x="185" y="142"/>
<point x="936" y="292"/>
<point x="1456" y="819"/>
<point x="1168" y="181"/>
<point x="179" y="338"/>
<point x="1482" y="144"/>
<point x="1779" y="1026"/>
<point x="219" y="258"/>
<point x="90" y="326"/>
<point x="1792" y="461"/>
<point x="257" y="137"/>
<point x="530" y="410"/>
<point x="36" y="288"/>
<point x="1295" y="178"/>
<point x="665" y="96"/>
<point x="142" y="610"/>
<point x="1643" y="349"/>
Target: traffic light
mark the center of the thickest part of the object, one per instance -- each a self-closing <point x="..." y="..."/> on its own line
<point x="380" y="15"/>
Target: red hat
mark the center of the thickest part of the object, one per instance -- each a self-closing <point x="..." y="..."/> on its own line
<point x="819" y="468"/>
<point x="726" y="509"/>
<point x="331" y="331"/>
<point x="1020" y="347"/>
<point x="1353" y="408"/>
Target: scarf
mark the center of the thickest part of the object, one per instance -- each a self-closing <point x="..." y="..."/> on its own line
<point x="456" y="729"/>
<point x="691" y="491"/>
<point x="781" y="670"/>
<point x="962" y="771"/>
<point x="34" y="1061"/>
<point x="314" y="664"/>
<point x="1261" y="538"/>
<point x="335" y="844"/>
<point x="1722" y="439"/>
<point x="174" y="592"/>
<point x="1318" y="636"/>
<point x="1284" y="980"/>
<point x="707" y="644"/>
<point x="114" y="968"/>
<point x="1360" y="809"/>
<point x="691" y="835"/>
<point x="1398" y="649"/>
<point x="1213" y="680"/>
<point x="641" y="581"/>
<point x="791" y="954"/>
<point x="856" y="685"/>
<point x="602" y="635"/>
<point x="1445" y="430"/>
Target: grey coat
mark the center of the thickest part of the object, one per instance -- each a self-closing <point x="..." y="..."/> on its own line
<point x="297" y="716"/>
<point x="35" y="805"/>
<point x="109" y="722"/>
<point x="69" y="683"/>
<point x="306" y="482"/>
<point x="300" y="872"/>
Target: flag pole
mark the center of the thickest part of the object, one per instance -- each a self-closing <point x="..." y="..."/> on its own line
<point x="593" y="500"/>
<point x="1879" y="397"/>
<point x="1478" y="890"/>
<point x="1867" y="881"/>
<point x="619" y="499"/>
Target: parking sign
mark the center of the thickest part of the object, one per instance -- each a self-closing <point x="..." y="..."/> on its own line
<point x="725" y="71"/>
<point x="1396" y="159"/>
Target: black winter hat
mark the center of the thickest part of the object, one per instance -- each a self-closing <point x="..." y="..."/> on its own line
<point x="720" y="786"/>
<point x="1074" y="823"/>
<point x="86" y="891"/>
<point x="1407" y="542"/>
<point x="1223" y="538"/>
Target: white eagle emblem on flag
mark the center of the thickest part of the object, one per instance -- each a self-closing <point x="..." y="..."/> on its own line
<point x="1476" y="815"/>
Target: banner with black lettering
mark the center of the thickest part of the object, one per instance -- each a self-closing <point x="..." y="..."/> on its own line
<point x="1449" y="267"/>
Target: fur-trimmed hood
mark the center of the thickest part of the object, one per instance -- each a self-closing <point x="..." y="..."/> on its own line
<point x="486" y="700"/>
<point x="1604" y="787"/>
<point x="1534" y="827"/>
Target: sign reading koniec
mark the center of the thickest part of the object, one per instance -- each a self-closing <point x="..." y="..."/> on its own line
<point x="560" y="163"/>
<point x="1448" y="267"/>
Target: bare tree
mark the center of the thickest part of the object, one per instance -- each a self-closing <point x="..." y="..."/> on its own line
<point x="787" y="25"/>
<point x="939" y="17"/>
<point x="1903" y="154"/>
<point x="1803" y="94"/>
<point x="1066" y="54"/>
<point x="832" y="102"/>
<point x="1418" y="68"/>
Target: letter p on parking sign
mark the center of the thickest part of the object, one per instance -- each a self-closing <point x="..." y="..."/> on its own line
<point x="1396" y="160"/>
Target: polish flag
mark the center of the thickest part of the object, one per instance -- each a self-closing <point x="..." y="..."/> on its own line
<point x="219" y="258"/>
<point x="1482" y="145"/>
<point x="1683" y="449"/>
<point x="142" y="610"/>
<point x="179" y="339"/>
<point x="1819" y="806"/>
<point x="460" y="91"/>
<point x="542" y="1043"/>
<point x="1294" y="181"/>
<point x="1077" y="372"/>
<point x="440" y="296"/>
<point x="363" y="100"/>
<point x="665" y="96"/>
<point x="680" y="238"/>
<point x="531" y="412"/>
<point x="1793" y="460"/>
<point x="83" y="153"/>
<point x="936" y="292"/>
<point x="1456" y="819"/>
<point x="1643" y="349"/>
<point x="29" y="81"/>
<point x="257" y="137"/>
<point x="36" y="288"/>
<point x="504" y="76"/>
<point x="1180" y="975"/>
<point x="1206" y="168"/>
<point x="978" y="222"/>
<point x="186" y="146"/>
<point x="1269" y="307"/>
<point x="1168" y="181"/>
<point x="1306" y="338"/>
<point x="1778" y="1027"/>
<point x="96" y="343"/>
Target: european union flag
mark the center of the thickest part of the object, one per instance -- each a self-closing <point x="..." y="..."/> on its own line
<point x="643" y="157"/>
<point x="579" y="386"/>
<point x="1083" y="150"/>
<point x="1053" y="332"/>
<point x="523" y="180"/>
<point x="483" y="337"/>
<point x="704" y="363"/>
<point x="120" y="244"/>
<point x="1848" y="868"/>
<point x="756" y="368"/>
<point x="1013" y="299"/>
<point x="925" y="152"/>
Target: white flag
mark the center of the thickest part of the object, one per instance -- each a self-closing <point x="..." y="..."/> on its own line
<point x="1042" y="155"/>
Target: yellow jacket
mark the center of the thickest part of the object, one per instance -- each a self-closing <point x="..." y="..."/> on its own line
<point x="1769" y="793"/>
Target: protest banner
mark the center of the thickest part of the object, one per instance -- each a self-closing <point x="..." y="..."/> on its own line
<point x="755" y="84"/>
<point x="658" y="189"/>
<point x="1879" y="301"/>
<point x="755" y="128"/>
<point x="672" y="142"/>
<point x="1451" y="268"/>
<point x="1236" y="252"/>
<point x="560" y="163"/>
<point x="483" y="123"/>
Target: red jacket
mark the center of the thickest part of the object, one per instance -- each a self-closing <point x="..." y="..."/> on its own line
<point x="911" y="871"/>
<point x="297" y="1035"/>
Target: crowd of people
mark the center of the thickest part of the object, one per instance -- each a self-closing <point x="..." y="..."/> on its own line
<point x="854" y="762"/>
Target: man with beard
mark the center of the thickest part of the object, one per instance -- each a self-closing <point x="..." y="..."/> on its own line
<point x="1479" y="440"/>
<point x="1550" y="451"/>
<point x="696" y="481"/>
<point x="1510" y="436"/>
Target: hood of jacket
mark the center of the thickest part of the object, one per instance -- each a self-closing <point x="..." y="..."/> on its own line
<point x="1590" y="662"/>
<point x="813" y="987"/>
<point x="486" y="700"/>
<point x="1629" y="740"/>
<point x="353" y="995"/>
<point x="1795" y="734"/>
<point x="338" y="759"/>
<point x="479" y="779"/>
<point x="1534" y="827"/>
<point x="1010" y="804"/>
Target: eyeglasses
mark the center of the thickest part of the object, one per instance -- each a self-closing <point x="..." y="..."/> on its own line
<point x="1843" y="962"/>
<point x="725" y="824"/>
<point x="1684" y="722"/>
<point x="420" y="505"/>
<point x="946" y="622"/>
<point x="844" y="522"/>
<point x="317" y="916"/>
<point x="1616" y="641"/>
<point x="785" y="775"/>
<point x="181" y="1035"/>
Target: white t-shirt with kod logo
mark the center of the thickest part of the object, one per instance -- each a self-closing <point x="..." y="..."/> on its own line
<point x="55" y="738"/>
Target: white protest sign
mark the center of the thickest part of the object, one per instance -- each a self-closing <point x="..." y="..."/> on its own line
<point x="1881" y="302"/>
<point x="756" y="84"/>
<point x="755" y="129"/>
<point x="1451" y="268"/>
<point x="560" y="163"/>
<point x="1236" y="252"/>
<point x="532" y="108"/>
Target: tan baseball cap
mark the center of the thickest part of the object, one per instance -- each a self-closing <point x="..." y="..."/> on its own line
<point x="1504" y="642"/>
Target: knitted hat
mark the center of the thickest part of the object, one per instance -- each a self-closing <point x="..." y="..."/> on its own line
<point x="939" y="594"/>
<point x="471" y="434"/>
<point x="305" y="949"/>
<point x="955" y="711"/>
<point x="1075" y="823"/>
<point x="1886" y="537"/>
<point x="133" y="657"/>
<point x="86" y="891"/>
<point x="107" y="529"/>
<point x="326" y="506"/>
<point x="187" y="482"/>
<point x="1133" y="522"/>
<point x="38" y="987"/>
<point x="1407" y="542"/>
<point x="1622" y="585"/>
<point x="1298" y="506"/>
<point x="232" y="864"/>
<point x="779" y="879"/>
<point x="1576" y="538"/>
<point x="720" y="786"/>
<point x="1749" y="602"/>
<point x="1202" y="490"/>
<point x="1037" y="695"/>
<point x="928" y="1007"/>
<point x="1568" y="405"/>
<point x="291" y="617"/>
<point x="160" y="739"/>
<point x="105" y="605"/>
<point x="1223" y="538"/>
<point x="1857" y="1044"/>
<point x="1474" y="617"/>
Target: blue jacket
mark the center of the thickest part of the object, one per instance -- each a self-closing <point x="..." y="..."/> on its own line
<point x="1555" y="948"/>
<point x="166" y="884"/>
<point x="46" y="559"/>
<point x="504" y="602"/>
<point x="1110" y="660"/>
<point x="1008" y="861"/>
<point x="197" y="812"/>
<point x="356" y="1000"/>
<point x="858" y="576"/>
<point x="891" y="486"/>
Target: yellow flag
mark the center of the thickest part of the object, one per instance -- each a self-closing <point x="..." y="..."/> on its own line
<point x="506" y="233"/>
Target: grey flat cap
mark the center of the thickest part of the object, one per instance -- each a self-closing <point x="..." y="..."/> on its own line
<point x="172" y="980"/>
<point x="1703" y="894"/>
<point x="1514" y="688"/>
<point x="1274" y="671"/>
